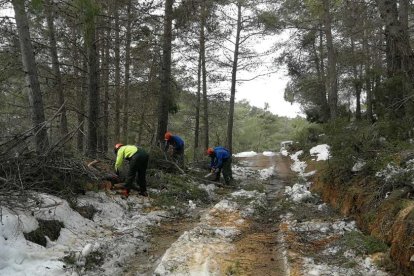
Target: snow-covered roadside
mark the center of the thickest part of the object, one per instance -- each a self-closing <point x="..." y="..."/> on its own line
<point x="318" y="232"/>
<point x="247" y="172"/>
<point x="117" y="231"/>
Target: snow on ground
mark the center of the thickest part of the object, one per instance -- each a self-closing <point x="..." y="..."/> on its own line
<point x="320" y="231"/>
<point x="247" y="172"/>
<point x="321" y="152"/>
<point x="298" y="166"/>
<point x="117" y="229"/>
<point x="266" y="173"/>
<point x="242" y="172"/>
<point x="245" y="154"/>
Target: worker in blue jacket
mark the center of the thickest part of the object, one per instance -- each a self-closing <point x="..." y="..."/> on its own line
<point x="177" y="144"/>
<point x="220" y="162"/>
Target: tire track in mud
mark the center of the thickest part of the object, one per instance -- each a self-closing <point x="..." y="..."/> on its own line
<point x="259" y="251"/>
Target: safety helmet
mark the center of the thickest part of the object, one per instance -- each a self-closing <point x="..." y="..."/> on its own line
<point x="117" y="146"/>
<point x="167" y="135"/>
<point x="210" y="151"/>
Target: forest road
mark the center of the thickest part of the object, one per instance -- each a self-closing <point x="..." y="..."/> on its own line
<point x="241" y="240"/>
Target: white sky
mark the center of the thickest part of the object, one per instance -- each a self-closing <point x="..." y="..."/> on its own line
<point x="269" y="89"/>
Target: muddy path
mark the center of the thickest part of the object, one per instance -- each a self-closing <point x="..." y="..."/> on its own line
<point x="258" y="251"/>
<point x="162" y="236"/>
<point x="254" y="250"/>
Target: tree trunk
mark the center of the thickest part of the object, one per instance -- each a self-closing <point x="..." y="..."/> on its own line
<point x="197" y="110"/>
<point x="117" y="122"/>
<point x="58" y="87"/>
<point x="127" y="73"/>
<point x="357" y="82"/>
<point x="93" y="87"/>
<point x="331" y="80"/>
<point x="165" y="92"/>
<point x="399" y="54"/>
<point x="32" y="80"/>
<point x="105" y="103"/>
<point x="367" y="65"/>
<point x="80" y="88"/>
<point x="234" y="79"/>
<point x="322" y="95"/>
<point x="204" y="76"/>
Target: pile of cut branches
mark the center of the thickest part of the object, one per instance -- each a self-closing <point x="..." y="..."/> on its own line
<point x="55" y="173"/>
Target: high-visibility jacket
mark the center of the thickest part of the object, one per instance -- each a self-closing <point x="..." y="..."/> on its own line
<point x="124" y="152"/>
<point x="220" y="154"/>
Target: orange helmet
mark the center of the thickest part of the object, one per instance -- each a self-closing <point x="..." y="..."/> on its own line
<point x="210" y="151"/>
<point x="167" y="135"/>
<point x="117" y="146"/>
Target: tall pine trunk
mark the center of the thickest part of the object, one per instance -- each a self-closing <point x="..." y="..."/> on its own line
<point x="234" y="79"/>
<point x="331" y="80"/>
<point x="204" y="76"/>
<point x="32" y="78"/>
<point x="57" y="87"/>
<point x="127" y="74"/>
<point x="165" y="89"/>
<point x="197" y="110"/>
<point x="105" y="76"/>
<point x="93" y="86"/>
<point x="117" y="45"/>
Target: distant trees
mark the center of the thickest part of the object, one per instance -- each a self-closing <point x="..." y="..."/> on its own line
<point x="368" y="35"/>
<point x="115" y="70"/>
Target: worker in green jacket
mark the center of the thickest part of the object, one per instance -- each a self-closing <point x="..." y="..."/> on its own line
<point x="138" y="163"/>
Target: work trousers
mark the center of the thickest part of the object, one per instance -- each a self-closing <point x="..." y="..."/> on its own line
<point x="178" y="157"/>
<point x="226" y="170"/>
<point x="138" y="164"/>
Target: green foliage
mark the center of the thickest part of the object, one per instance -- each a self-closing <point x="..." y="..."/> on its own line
<point x="270" y="20"/>
<point x="178" y="190"/>
<point x="363" y="244"/>
<point x="254" y="128"/>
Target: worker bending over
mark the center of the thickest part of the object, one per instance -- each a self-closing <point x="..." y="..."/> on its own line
<point x="177" y="144"/>
<point x="138" y="163"/>
<point x="220" y="162"/>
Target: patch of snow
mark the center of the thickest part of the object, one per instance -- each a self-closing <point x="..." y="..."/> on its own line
<point x="269" y="153"/>
<point x="266" y="173"/>
<point x="298" y="192"/>
<point x="308" y="174"/>
<point x="242" y="172"/>
<point x="298" y="166"/>
<point x="210" y="189"/>
<point x="321" y="152"/>
<point x="226" y="205"/>
<point x="284" y="152"/>
<point x="116" y="224"/>
<point x="358" y="166"/>
<point x="285" y="143"/>
<point x="245" y="154"/>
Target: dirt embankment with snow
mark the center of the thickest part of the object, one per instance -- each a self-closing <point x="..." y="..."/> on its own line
<point x="386" y="216"/>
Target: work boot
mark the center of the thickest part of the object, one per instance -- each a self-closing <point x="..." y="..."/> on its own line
<point x="124" y="193"/>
